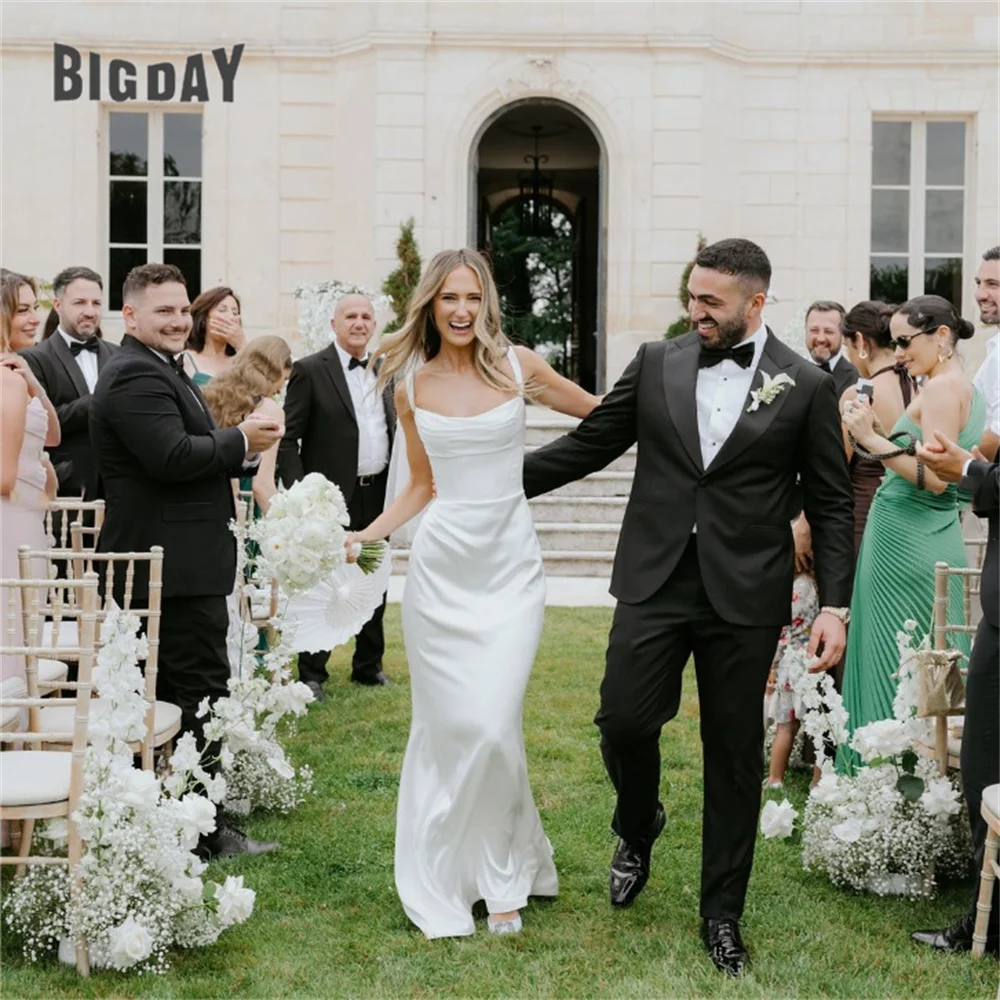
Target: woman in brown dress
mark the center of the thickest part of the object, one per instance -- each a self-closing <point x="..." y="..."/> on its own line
<point x="868" y="344"/>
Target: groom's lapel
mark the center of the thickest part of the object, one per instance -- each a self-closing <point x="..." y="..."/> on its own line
<point x="680" y="381"/>
<point x="750" y="426"/>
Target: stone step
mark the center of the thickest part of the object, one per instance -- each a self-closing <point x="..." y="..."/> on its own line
<point x="597" y="484"/>
<point x="624" y="463"/>
<point x="556" y="562"/>
<point x="608" y="510"/>
<point x="542" y="430"/>
<point x="559" y="536"/>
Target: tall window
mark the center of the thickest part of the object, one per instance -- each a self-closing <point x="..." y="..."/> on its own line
<point x="154" y="195"/>
<point x="918" y="209"/>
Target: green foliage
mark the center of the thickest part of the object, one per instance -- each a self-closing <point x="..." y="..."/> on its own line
<point x="534" y="277"/>
<point x="401" y="283"/>
<point x="683" y="323"/>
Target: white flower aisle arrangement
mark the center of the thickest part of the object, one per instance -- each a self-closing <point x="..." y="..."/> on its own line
<point x="893" y="826"/>
<point x="142" y="888"/>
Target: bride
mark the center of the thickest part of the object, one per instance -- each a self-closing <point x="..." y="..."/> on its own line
<point x="466" y="826"/>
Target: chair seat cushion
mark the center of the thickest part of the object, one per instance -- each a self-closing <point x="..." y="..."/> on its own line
<point x="34" y="777"/>
<point x="991" y="799"/>
<point x="59" y="718"/>
<point x="51" y="671"/>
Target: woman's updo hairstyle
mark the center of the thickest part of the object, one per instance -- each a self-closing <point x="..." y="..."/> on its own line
<point x="929" y="312"/>
<point x="870" y="319"/>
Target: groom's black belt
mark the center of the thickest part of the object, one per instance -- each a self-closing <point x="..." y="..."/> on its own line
<point x="371" y="480"/>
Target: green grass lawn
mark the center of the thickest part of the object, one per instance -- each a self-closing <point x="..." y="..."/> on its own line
<point x="328" y="923"/>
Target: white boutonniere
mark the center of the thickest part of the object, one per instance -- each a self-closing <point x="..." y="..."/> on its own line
<point x="770" y="390"/>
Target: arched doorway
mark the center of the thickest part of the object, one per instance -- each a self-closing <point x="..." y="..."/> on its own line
<point x="538" y="215"/>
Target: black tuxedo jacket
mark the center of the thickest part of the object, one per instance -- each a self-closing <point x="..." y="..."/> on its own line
<point x="844" y="375"/>
<point x="321" y="427"/>
<point x="740" y="504"/>
<point x="166" y="472"/>
<point x="56" y="368"/>
<point x="983" y="482"/>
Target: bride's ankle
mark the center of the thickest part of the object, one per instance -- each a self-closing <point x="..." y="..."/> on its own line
<point x="506" y="916"/>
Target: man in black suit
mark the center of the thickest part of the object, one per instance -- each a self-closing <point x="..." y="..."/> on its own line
<point x="336" y="424"/>
<point x="704" y="562"/>
<point x="981" y="736"/>
<point x="825" y="343"/>
<point x="167" y="474"/>
<point x="67" y="365"/>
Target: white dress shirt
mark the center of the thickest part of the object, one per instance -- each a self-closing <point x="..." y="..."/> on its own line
<point x="369" y="410"/>
<point x="721" y="396"/>
<point x="987" y="381"/>
<point x="86" y="360"/>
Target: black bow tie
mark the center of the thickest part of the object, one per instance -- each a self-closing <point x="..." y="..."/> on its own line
<point x="84" y="345"/>
<point x="357" y="363"/>
<point x="711" y="356"/>
<point x="825" y="366"/>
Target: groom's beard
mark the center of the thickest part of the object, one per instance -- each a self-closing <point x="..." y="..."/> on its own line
<point x="726" y="334"/>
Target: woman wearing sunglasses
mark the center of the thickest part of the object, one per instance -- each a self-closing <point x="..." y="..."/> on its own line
<point x="913" y="521"/>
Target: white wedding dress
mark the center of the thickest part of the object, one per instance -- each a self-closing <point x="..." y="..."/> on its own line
<point x="466" y="827"/>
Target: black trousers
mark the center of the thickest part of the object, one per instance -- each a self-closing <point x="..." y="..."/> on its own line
<point x="650" y="644"/>
<point x="981" y="742"/>
<point x="369" y="644"/>
<point x="194" y="661"/>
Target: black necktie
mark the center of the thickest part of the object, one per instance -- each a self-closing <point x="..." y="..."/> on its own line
<point x="357" y="363"/>
<point x="83" y="345"/>
<point x="824" y="366"/>
<point x="711" y="356"/>
<point x="176" y="361"/>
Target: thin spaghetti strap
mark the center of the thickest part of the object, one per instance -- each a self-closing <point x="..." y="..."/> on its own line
<point x="194" y="364"/>
<point x="515" y="365"/>
<point x="408" y="386"/>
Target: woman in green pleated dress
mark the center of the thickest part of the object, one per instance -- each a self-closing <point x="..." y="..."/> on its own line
<point x="913" y="522"/>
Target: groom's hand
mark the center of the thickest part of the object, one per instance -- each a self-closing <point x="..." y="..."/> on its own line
<point x="826" y="641"/>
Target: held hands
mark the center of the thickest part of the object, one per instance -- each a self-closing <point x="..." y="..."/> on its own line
<point x="261" y="433"/>
<point x="944" y="458"/>
<point x="828" y="633"/>
<point x="17" y="364"/>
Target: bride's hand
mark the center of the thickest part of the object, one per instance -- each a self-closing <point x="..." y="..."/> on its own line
<point x="352" y="546"/>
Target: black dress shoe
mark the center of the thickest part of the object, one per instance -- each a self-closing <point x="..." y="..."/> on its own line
<point x="956" y="938"/>
<point x="317" y="690"/>
<point x="226" y="841"/>
<point x="379" y="680"/>
<point x="725" y="946"/>
<point x="630" y="865"/>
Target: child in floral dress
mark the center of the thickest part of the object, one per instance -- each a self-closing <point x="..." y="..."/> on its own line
<point x="782" y="703"/>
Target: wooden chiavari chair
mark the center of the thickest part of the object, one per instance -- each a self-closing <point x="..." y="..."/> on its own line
<point x="39" y="784"/>
<point x="948" y="738"/>
<point x="260" y="604"/>
<point x="66" y="511"/>
<point x="117" y="574"/>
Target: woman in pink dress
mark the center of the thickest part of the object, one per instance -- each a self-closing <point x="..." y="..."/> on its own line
<point x="28" y="424"/>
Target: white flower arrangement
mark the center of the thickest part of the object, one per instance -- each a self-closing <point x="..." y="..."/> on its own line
<point x="317" y="303"/>
<point x="893" y="825"/>
<point x="770" y="389"/>
<point x="301" y="538"/>
<point x="142" y="891"/>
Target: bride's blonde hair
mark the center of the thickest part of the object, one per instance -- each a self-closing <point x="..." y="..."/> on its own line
<point x="419" y="338"/>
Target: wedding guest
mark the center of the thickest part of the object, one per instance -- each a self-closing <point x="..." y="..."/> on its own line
<point x="28" y="424"/>
<point x="347" y="436"/>
<point x="216" y="334"/>
<point x="980" y="755"/>
<point x="987" y="379"/>
<point x="166" y="470"/>
<point x="868" y="343"/>
<point x="825" y="343"/>
<point x="51" y="324"/>
<point x="258" y="373"/>
<point x="913" y="520"/>
<point x="68" y="365"/>
<point x="783" y="705"/>
<point x="18" y="310"/>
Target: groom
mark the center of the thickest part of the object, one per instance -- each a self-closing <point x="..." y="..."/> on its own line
<point x="705" y="562"/>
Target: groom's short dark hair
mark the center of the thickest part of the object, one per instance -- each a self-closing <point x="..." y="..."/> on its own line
<point x="741" y="258"/>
